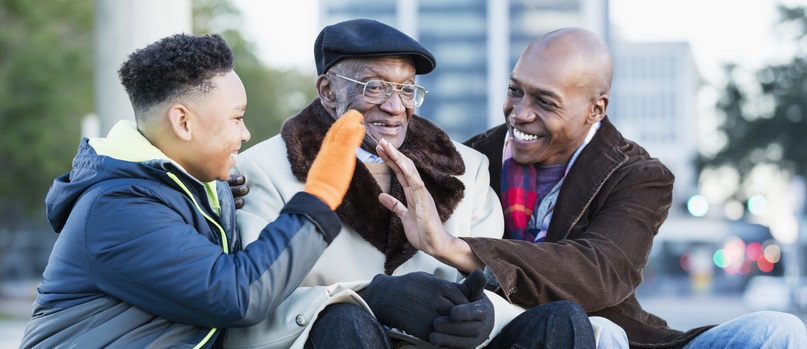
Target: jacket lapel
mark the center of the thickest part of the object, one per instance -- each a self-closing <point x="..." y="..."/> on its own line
<point x="433" y="153"/>
<point x="595" y="164"/>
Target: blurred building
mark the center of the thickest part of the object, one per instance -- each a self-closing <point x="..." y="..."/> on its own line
<point x="476" y="44"/>
<point x="654" y="101"/>
<point x="121" y="28"/>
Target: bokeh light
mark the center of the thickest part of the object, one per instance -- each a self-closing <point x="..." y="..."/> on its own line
<point x="734" y="210"/>
<point x="772" y="253"/>
<point x="757" y="205"/>
<point x="764" y="265"/>
<point x="753" y="251"/>
<point x="698" y="206"/>
<point x="720" y="259"/>
<point x="686" y="261"/>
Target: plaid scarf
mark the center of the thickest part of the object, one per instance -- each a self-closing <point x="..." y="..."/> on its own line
<point x="519" y="193"/>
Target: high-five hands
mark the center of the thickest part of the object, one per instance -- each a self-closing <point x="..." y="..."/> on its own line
<point x="420" y="219"/>
<point x="332" y="170"/>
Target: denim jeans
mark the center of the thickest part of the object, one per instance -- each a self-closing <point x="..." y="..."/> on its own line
<point x="346" y="325"/>
<point x="559" y="324"/>
<point x="763" y="329"/>
<point x="610" y="336"/>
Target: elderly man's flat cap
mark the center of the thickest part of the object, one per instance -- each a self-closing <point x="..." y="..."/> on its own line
<point x="367" y="38"/>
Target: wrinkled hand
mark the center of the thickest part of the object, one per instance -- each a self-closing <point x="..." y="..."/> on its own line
<point x="470" y="324"/>
<point x="413" y="301"/>
<point x="239" y="189"/>
<point x="420" y="219"/>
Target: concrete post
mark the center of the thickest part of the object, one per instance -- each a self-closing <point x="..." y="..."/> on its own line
<point x="121" y="28"/>
<point x="499" y="67"/>
<point x="798" y="190"/>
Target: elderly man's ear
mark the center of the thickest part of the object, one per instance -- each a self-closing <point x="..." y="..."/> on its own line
<point x="239" y="188"/>
<point x="325" y="92"/>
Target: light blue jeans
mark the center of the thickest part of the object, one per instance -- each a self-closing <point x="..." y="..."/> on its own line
<point x="762" y="329"/>
<point x="759" y="330"/>
<point x="610" y="335"/>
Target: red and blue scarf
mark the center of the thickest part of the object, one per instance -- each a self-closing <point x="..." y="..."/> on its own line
<point x="519" y="195"/>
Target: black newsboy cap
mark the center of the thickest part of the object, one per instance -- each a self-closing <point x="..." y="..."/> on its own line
<point x="367" y="38"/>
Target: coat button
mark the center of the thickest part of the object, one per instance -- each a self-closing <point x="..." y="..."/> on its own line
<point x="300" y="319"/>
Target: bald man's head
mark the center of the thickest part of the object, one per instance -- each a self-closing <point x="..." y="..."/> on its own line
<point x="558" y="89"/>
<point x="584" y="54"/>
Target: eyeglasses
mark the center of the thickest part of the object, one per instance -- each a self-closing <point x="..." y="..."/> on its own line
<point x="379" y="91"/>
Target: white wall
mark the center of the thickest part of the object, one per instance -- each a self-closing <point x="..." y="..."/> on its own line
<point x="121" y="28"/>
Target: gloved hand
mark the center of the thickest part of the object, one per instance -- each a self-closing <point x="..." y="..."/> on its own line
<point x="330" y="174"/>
<point x="239" y="189"/>
<point x="413" y="301"/>
<point x="469" y="324"/>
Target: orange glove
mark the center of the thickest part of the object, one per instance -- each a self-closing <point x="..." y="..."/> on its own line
<point x="332" y="170"/>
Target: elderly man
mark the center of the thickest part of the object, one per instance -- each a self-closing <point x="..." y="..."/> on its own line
<point x="371" y="67"/>
<point x="582" y="204"/>
<point x="148" y="255"/>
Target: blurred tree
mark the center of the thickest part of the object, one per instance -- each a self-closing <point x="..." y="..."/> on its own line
<point x="45" y="90"/>
<point x="272" y="94"/>
<point x="766" y="122"/>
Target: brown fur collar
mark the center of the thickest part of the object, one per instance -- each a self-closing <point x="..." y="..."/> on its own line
<point x="435" y="157"/>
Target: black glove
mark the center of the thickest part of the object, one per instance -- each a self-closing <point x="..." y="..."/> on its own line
<point x="469" y="324"/>
<point x="413" y="301"/>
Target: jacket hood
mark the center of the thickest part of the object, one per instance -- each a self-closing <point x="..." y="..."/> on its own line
<point x="124" y="153"/>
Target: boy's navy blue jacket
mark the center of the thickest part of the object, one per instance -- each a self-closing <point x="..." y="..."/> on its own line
<point x="150" y="257"/>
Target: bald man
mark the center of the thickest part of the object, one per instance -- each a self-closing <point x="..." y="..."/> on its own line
<point x="581" y="203"/>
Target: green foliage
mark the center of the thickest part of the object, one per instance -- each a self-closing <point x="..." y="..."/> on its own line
<point x="766" y="123"/>
<point x="45" y="90"/>
<point x="272" y="95"/>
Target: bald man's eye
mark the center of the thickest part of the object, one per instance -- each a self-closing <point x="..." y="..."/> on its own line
<point x="545" y="103"/>
<point x="514" y="92"/>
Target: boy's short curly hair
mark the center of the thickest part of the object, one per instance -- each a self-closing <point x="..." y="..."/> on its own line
<point x="175" y="66"/>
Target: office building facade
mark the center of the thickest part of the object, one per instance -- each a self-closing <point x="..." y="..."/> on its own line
<point x="476" y="43"/>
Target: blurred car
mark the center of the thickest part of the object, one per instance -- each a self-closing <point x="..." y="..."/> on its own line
<point x="772" y="293"/>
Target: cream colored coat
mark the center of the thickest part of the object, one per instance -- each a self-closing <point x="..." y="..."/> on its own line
<point x="350" y="262"/>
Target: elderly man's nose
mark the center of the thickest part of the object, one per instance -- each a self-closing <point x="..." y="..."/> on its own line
<point x="394" y="104"/>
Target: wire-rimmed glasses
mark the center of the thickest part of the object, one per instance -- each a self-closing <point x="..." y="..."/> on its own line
<point x="379" y="91"/>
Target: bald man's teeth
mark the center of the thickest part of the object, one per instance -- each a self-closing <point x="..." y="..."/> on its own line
<point x="521" y="136"/>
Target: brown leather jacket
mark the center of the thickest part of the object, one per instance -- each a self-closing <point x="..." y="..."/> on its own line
<point x="610" y="207"/>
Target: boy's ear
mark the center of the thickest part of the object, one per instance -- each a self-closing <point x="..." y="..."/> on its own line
<point x="179" y="116"/>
